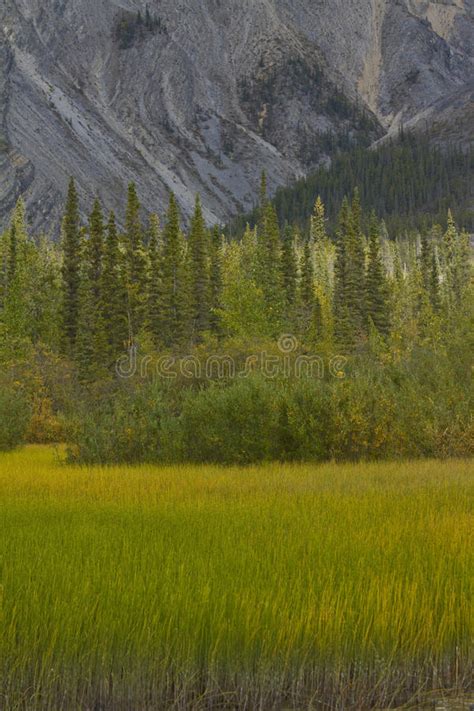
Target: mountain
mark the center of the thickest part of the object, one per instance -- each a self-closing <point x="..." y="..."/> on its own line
<point x="200" y="97"/>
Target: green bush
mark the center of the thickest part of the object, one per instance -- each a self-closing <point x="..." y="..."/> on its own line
<point x="14" y="416"/>
<point x="126" y="426"/>
<point x="418" y="407"/>
<point x="305" y="423"/>
<point x="231" y="425"/>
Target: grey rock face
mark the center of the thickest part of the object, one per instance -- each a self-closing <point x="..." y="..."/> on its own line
<point x="201" y="96"/>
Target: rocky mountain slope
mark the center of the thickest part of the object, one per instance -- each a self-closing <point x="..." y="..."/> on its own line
<point x="200" y="97"/>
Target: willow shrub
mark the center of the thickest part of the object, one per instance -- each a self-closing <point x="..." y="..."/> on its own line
<point x="15" y="415"/>
<point x="123" y="426"/>
<point x="415" y="408"/>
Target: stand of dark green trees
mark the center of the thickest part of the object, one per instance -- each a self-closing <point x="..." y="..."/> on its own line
<point x="407" y="180"/>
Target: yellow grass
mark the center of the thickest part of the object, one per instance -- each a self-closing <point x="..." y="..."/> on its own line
<point x="338" y="586"/>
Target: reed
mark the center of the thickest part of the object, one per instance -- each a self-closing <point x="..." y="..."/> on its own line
<point x="278" y="586"/>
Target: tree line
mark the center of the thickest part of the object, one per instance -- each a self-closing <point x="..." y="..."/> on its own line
<point x="399" y="310"/>
<point x="104" y="289"/>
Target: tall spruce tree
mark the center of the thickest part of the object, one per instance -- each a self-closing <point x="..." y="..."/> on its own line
<point x="377" y="297"/>
<point x="12" y="254"/>
<point x="270" y="269"/>
<point x="355" y="268"/>
<point x="85" y="343"/>
<point x="186" y="323"/>
<point x="95" y="251"/>
<point x="113" y="294"/>
<point x="216" y="281"/>
<point x="70" y="270"/>
<point x="289" y="270"/>
<point x="434" y="282"/>
<point x="135" y="263"/>
<point x="170" y="274"/>
<point x="318" y="222"/>
<point x="154" y="281"/>
<point x="200" y="275"/>
<point x="343" y="327"/>
<point x="306" y="291"/>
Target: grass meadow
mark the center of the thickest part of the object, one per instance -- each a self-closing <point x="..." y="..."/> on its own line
<point x="282" y="586"/>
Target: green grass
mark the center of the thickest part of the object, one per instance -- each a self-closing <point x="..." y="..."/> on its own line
<point x="268" y="587"/>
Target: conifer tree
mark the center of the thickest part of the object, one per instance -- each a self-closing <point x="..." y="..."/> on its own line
<point x="216" y="284"/>
<point x="93" y="348"/>
<point x="309" y="304"/>
<point x="85" y="342"/>
<point x="154" y="315"/>
<point x="95" y="251"/>
<point x="465" y="269"/>
<point x="186" y="311"/>
<point x="307" y="276"/>
<point x="113" y="294"/>
<point x="270" y="275"/>
<point x="343" y="330"/>
<point x="376" y="285"/>
<point x="323" y="251"/>
<point x="170" y="273"/>
<point x="289" y="269"/>
<point x="426" y="259"/>
<point x="318" y="223"/>
<point x="18" y="294"/>
<point x="200" y="276"/>
<point x="70" y="270"/>
<point x="434" y="282"/>
<point x="12" y="254"/>
<point x="135" y="263"/>
<point x="355" y="268"/>
<point x="250" y="252"/>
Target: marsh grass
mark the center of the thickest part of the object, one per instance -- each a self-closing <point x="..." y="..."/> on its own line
<point x="283" y="586"/>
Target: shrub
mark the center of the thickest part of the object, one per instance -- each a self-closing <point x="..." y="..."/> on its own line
<point x="14" y="416"/>
<point x="123" y="427"/>
<point x="45" y="426"/>
<point x="231" y="425"/>
<point x="305" y="423"/>
<point x="418" y="407"/>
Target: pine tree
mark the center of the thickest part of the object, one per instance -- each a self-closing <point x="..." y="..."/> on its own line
<point x="355" y="268"/>
<point x="307" y="296"/>
<point x="186" y="311"/>
<point x="95" y="253"/>
<point x="113" y="294"/>
<point x="154" y="314"/>
<point x="343" y="329"/>
<point x="135" y="263"/>
<point x="318" y="223"/>
<point x="289" y="270"/>
<point x="85" y="342"/>
<point x="323" y="251"/>
<point x="12" y="254"/>
<point x="170" y="272"/>
<point x="426" y="259"/>
<point x="464" y="268"/>
<point x="376" y="285"/>
<point x="200" y="277"/>
<point x="215" y="286"/>
<point x="18" y="296"/>
<point x="307" y="276"/>
<point x="433" y="286"/>
<point x="270" y="271"/>
<point x="70" y="270"/>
